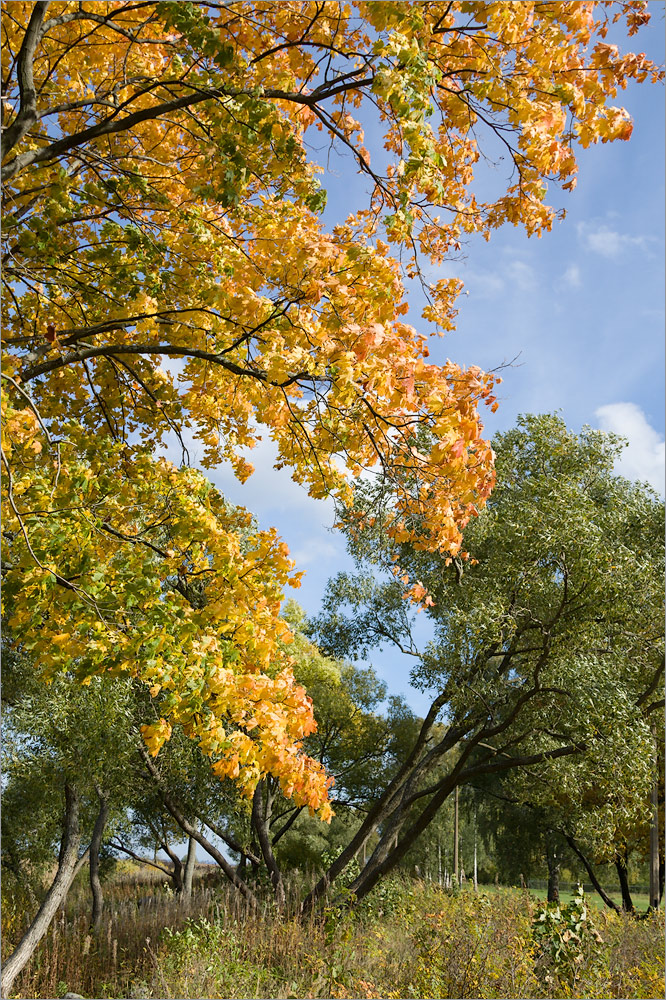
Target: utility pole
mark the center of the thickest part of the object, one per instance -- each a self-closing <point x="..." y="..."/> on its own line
<point x="476" y="871"/>
<point x="654" y="830"/>
<point x="455" y="841"/>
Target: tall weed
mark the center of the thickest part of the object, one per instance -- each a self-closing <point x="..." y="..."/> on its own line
<point x="409" y="939"/>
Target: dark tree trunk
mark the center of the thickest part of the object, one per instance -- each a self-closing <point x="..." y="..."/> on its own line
<point x="262" y="805"/>
<point x="390" y="811"/>
<point x="655" y="895"/>
<point x="69" y="864"/>
<point x="177" y="867"/>
<point x="95" y="844"/>
<point x="621" y="866"/>
<point x="553" y="863"/>
<point x="592" y="874"/>
<point x="295" y="813"/>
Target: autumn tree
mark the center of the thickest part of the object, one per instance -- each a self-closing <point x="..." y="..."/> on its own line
<point x="169" y="276"/>
<point x="547" y="645"/>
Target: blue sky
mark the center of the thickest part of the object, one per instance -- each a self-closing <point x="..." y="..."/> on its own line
<point x="582" y="309"/>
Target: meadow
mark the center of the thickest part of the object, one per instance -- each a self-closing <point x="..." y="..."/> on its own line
<point x="409" y="939"/>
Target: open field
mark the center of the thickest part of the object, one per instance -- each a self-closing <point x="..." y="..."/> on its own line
<point x="409" y="939"/>
<point x="641" y="899"/>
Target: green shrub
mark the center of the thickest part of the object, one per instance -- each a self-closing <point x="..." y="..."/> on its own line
<point x="567" y="941"/>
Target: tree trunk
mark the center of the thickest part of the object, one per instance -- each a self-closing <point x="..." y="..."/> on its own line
<point x="296" y="812"/>
<point x="177" y="869"/>
<point x="476" y="867"/>
<point x="191" y="831"/>
<point x="627" y="902"/>
<point x="592" y="874"/>
<point x="553" y="872"/>
<point x="261" y="815"/>
<point x="383" y="858"/>
<point x="383" y="806"/>
<point x="190" y="864"/>
<point x="391" y="806"/>
<point x="68" y="865"/>
<point x="95" y="844"/>
<point x="456" y="837"/>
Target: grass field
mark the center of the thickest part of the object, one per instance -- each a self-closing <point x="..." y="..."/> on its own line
<point x="409" y="939"/>
<point x="640" y="900"/>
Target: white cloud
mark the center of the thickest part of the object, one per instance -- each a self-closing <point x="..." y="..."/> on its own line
<point x="484" y="284"/>
<point x="572" y="276"/>
<point x="643" y="458"/>
<point x="317" y="550"/>
<point x="608" y="242"/>
<point x="521" y="275"/>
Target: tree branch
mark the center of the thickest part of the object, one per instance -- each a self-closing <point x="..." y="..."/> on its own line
<point x="27" y="113"/>
<point x="110" y="350"/>
<point x="192" y="831"/>
<point x="137" y="857"/>
<point x="112" y="125"/>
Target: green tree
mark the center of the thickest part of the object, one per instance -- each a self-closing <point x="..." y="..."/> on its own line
<point x="548" y="644"/>
<point x="65" y="765"/>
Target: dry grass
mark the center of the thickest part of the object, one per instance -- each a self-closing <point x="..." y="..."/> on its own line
<point x="70" y="957"/>
<point x="411" y="940"/>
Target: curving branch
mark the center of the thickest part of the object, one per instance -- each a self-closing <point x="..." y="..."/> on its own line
<point x="176" y="350"/>
<point x="27" y="113"/>
<point x="113" y="124"/>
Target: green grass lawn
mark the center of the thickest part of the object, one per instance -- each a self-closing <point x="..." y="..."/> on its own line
<point x="641" y="900"/>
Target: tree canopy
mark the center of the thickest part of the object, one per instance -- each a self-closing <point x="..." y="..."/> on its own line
<point x="169" y="272"/>
<point x="547" y="645"/>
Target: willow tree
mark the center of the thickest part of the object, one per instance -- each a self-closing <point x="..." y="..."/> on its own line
<point x="547" y="656"/>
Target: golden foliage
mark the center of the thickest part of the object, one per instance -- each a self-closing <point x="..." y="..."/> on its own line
<point x="171" y="277"/>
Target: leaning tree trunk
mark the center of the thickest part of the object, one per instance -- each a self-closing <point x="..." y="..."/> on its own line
<point x="69" y="864"/>
<point x="95" y="844"/>
<point x="655" y="890"/>
<point x="177" y="870"/>
<point x="391" y="812"/>
<point x="621" y="866"/>
<point x="592" y="874"/>
<point x="261" y="817"/>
